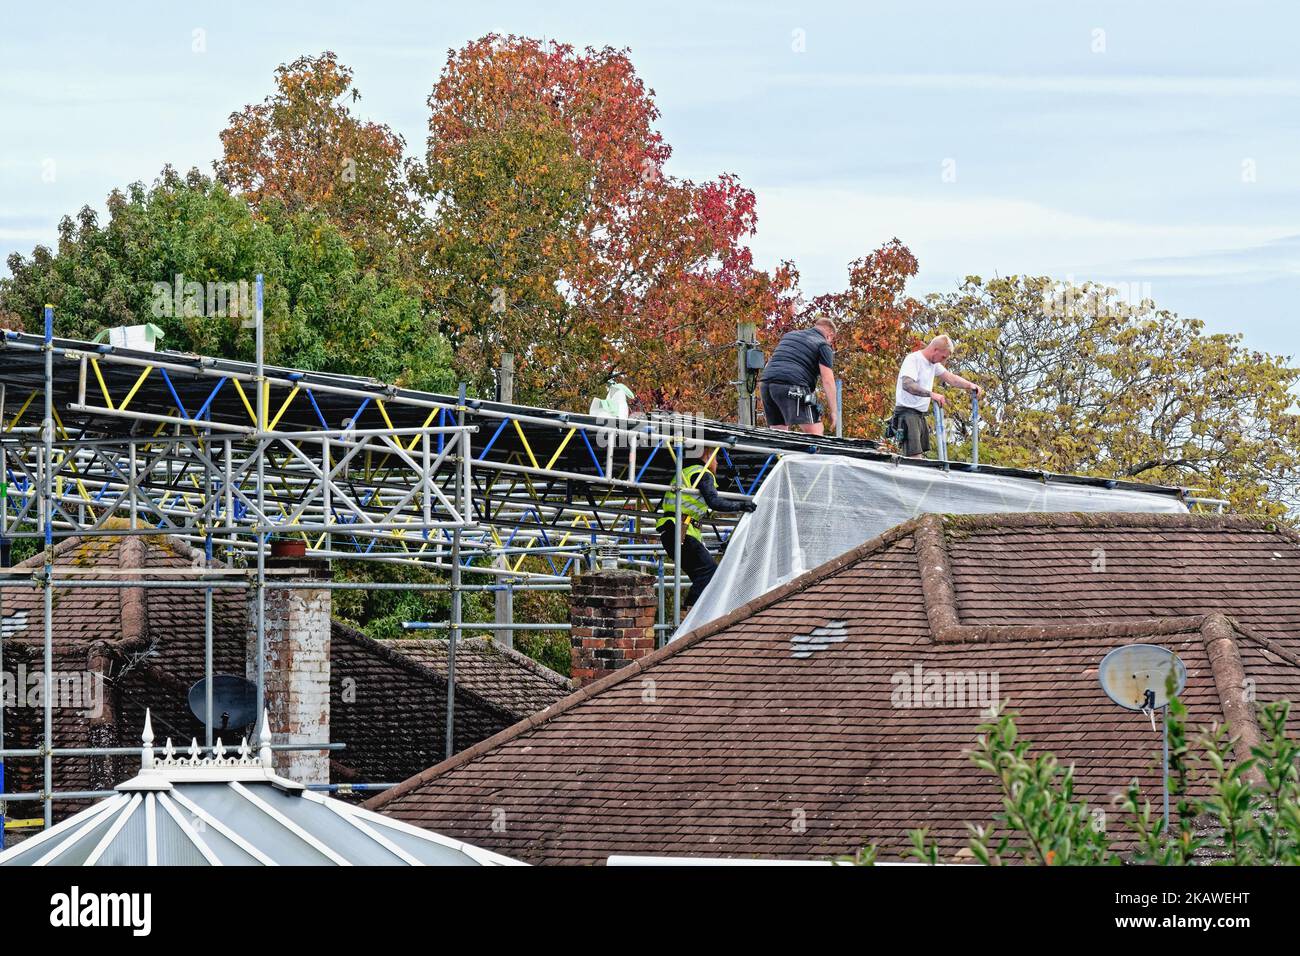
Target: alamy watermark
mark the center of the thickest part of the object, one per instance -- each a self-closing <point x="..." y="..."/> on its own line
<point x="1064" y="299"/>
<point x="71" y="690"/>
<point x="670" y="428"/>
<point x="922" y="687"/>
<point x="212" y="300"/>
<point x="75" y="909"/>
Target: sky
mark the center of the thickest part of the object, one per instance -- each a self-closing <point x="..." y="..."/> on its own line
<point x="1150" y="145"/>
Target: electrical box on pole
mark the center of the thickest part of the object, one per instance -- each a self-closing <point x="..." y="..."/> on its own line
<point x="749" y="362"/>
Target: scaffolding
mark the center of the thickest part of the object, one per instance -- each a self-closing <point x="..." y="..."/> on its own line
<point x="226" y="455"/>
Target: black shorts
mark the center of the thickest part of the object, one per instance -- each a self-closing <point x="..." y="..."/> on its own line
<point x="780" y="408"/>
<point x="910" y="429"/>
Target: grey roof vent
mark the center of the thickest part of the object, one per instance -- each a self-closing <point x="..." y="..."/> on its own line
<point x="804" y="645"/>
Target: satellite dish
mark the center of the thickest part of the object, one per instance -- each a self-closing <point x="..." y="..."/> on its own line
<point x="1135" y="675"/>
<point x="234" y="701"/>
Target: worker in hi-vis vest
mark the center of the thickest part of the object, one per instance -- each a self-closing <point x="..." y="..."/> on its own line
<point x="698" y="498"/>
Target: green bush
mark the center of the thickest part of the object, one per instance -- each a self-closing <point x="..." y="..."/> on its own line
<point x="1248" y="813"/>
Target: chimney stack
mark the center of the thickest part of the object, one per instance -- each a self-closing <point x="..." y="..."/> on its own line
<point x="297" y="664"/>
<point x="613" y="618"/>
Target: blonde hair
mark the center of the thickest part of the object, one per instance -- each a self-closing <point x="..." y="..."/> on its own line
<point x="944" y="342"/>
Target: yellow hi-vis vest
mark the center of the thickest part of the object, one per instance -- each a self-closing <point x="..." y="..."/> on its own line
<point x="692" y="504"/>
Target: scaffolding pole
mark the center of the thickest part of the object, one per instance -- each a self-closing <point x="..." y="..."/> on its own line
<point x="678" y="485"/>
<point x="260" y="587"/>
<point x="462" y="490"/>
<point x="47" y="509"/>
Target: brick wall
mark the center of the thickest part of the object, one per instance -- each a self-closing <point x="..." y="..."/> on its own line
<point x="613" y="618"/>
<point x="297" y="661"/>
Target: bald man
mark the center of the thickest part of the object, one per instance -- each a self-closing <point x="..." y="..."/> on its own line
<point x="788" y="388"/>
<point x="915" y="390"/>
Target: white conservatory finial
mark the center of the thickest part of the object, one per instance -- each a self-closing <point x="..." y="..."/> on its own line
<point x="264" y="740"/>
<point x="162" y="770"/>
<point x="146" y="740"/>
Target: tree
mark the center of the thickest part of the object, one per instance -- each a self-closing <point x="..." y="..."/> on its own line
<point x="303" y="147"/>
<point x="1238" y="812"/>
<point x="184" y="253"/>
<point x="559" y="236"/>
<point x="1080" y="381"/>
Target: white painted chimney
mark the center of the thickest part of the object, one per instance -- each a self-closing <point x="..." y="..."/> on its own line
<point x="297" y="661"/>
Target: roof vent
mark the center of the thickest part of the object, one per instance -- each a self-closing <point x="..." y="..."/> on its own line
<point x="803" y="645"/>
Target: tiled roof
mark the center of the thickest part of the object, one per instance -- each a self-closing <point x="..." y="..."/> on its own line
<point x="506" y="677"/>
<point x="124" y="633"/>
<point x="787" y="729"/>
<point x="388" y="699"/>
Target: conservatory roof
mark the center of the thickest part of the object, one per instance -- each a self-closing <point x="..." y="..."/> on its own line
<point x="230" y="808"/>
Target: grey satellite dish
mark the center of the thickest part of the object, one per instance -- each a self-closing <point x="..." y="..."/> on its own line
<point x="1135" y="676"/>
<point x="234" y="702"/>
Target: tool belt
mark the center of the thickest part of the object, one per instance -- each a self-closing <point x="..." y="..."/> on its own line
<point x="807" y="396"/>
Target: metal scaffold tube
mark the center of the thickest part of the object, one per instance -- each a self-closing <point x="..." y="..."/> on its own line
<point x="209" y="707"/>
<point x="678" y="485"/>
<point x="260" y="586"/>
<point x="462" y="502"/>
<point x="47" y="511"/>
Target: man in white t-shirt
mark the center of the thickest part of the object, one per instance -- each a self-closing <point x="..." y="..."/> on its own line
<point x="915" y="390"/>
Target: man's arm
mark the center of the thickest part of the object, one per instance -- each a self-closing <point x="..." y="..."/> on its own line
<point x="832" y="400"/>
<point x="913" y="387"/>
<point x="956" y="381"/>
<point x="709" y="492"/>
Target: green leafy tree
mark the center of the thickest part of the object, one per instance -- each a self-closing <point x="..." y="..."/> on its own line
<point x="1230" y="811"/>
<point x="1042" y="820"/>
<point x="509" y="204"/>
<point x="165" y="249"/>
<point x="1081" y="381"/>
<point x="380" y="613"/>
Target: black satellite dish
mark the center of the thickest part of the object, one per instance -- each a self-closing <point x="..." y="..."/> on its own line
<point x="234" y="702"/>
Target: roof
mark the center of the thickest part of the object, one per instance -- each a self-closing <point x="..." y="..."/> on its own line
<point x="838" y="710"/>
<point x="395" y="732"/>
<point x="230" y="808"/>
<point x="500" y="674"/>
<point x="148" y="645"/>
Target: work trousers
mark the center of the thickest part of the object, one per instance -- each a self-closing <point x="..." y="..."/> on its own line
<point x="697" y="563"/>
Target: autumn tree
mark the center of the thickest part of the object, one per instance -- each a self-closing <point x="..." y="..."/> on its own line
<point x="1081" y="381"/>
<point x="304" y="147"/>
<point x="322" y="310"/>
<point x="558" y="234"/>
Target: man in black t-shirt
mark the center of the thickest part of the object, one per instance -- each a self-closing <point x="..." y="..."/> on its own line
<point x="789" y="385"/>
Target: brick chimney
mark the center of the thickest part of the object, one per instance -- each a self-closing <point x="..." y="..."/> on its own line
<point x="613" y="618"/>
<point x="297" y="651"/>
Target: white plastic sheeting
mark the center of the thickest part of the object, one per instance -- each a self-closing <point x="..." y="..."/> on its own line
<point x="813" y="508"/>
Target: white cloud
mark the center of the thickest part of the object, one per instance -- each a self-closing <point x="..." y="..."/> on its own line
<point x="823" y="229"/>
<point x="1127" y="85"/>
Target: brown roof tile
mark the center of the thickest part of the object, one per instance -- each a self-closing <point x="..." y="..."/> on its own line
<point x="726" y="743"/>
<point x="392" y="716"/>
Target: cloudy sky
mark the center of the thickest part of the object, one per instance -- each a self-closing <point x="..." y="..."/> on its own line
<point x="1155" y="144"/>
